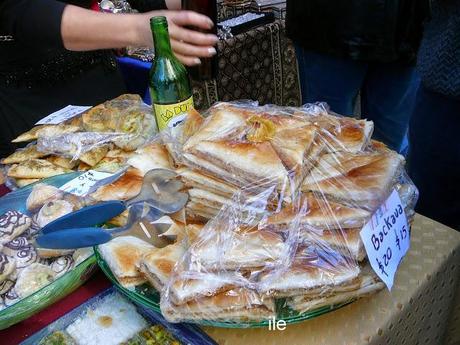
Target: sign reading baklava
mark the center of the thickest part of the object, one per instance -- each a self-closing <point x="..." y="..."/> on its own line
<point x="386" y="238"/>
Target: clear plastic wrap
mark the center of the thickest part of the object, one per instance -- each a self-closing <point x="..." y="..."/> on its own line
<point x="103" y="138"/>
<point x="125" y="121"/>
<point x="282" y="194"/>
<point x="74" y="145"/>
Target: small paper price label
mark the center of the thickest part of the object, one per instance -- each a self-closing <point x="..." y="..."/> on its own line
<point x="63" y="115"/>
<point x="82" y="184"/>
<point x="386" y="238"/>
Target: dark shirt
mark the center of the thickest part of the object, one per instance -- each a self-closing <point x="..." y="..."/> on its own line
<point x="371" y="30"/>
<point x="439" y="56"/>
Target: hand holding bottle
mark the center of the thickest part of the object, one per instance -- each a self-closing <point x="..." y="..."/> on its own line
<point x="190" y="45"/>
<point x="82" y="29"/>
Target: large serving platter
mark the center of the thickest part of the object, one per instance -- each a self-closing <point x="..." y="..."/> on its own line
<point x="59" y="288"/>
<point x="147" y="297"/>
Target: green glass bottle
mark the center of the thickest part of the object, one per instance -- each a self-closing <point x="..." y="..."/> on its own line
<point x="170" y="88"/>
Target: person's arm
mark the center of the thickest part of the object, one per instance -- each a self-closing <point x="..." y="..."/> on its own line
<point x="52" y="23"/>
<point x="87" y="30"/>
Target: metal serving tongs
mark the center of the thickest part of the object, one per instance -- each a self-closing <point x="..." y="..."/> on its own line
<point x="161" y="194"/>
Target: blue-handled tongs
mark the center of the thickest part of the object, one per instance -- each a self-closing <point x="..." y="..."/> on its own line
<point x="160" y="194"/>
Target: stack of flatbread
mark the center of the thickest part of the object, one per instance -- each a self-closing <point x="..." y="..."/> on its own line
<point x="107" y="137"/>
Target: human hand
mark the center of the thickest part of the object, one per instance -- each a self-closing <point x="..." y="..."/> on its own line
<point x="189" y="45"/>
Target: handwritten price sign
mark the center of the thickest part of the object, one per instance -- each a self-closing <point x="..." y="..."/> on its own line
<point x="386" y="238"/>
<point x="82" y="184"/>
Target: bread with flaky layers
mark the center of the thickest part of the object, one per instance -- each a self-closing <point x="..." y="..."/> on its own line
<point x="304" y="277"/>
<point x="367" y="283"/>
<point x="347" y="242"/>
<point x="151" y="156"/>
<point x="123" y="255"/>
<point x="239" y="249"/>
<point x="361" y="179"/>
<point x="195" y="178"/>
<point x="126" y="187"/>
<point x="318" y="212"/>
<point x="237" y="304"/>
<point x="251" y="161"/>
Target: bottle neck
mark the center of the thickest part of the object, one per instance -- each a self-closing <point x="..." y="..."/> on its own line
<point x="161" y="41"/>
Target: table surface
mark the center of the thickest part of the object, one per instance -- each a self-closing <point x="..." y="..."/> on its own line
<point x="421" y="308"/>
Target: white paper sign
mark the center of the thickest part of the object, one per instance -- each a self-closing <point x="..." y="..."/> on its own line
<point x="63" y="115"/>
<point x="386" y="238"/>
<point x="82" y="184"/>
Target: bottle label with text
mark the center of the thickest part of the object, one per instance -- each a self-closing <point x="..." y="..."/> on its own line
<point x="170" y="115"/>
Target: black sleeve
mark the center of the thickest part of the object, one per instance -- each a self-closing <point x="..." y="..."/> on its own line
<point x="32" y="22"/>
<point x="148" y="5"/>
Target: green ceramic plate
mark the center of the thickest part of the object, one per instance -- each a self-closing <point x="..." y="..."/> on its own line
<point x="148" y="297"/>
<point x="59" y="288"/>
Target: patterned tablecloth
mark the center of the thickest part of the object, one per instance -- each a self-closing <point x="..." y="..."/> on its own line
<point x="423" y="307"/>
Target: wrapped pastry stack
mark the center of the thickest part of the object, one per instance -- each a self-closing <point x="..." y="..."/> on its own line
<point x="107" y="137"/>
<point x="238" y="147"/>
<point x="278" y="197"/>
<point x="307" y="182"/>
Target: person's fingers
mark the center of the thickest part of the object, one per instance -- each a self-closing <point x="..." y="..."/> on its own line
<point x="190" y="36"/>
<point x="184" y="48"/>
<point x="188" y="60"/>
<point x="190" y="18"/>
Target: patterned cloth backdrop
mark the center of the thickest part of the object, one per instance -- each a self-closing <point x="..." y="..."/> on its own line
<point x="259" y="64"/>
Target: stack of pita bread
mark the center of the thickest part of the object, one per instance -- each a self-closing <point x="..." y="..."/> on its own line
<point x="107" y="137"/>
